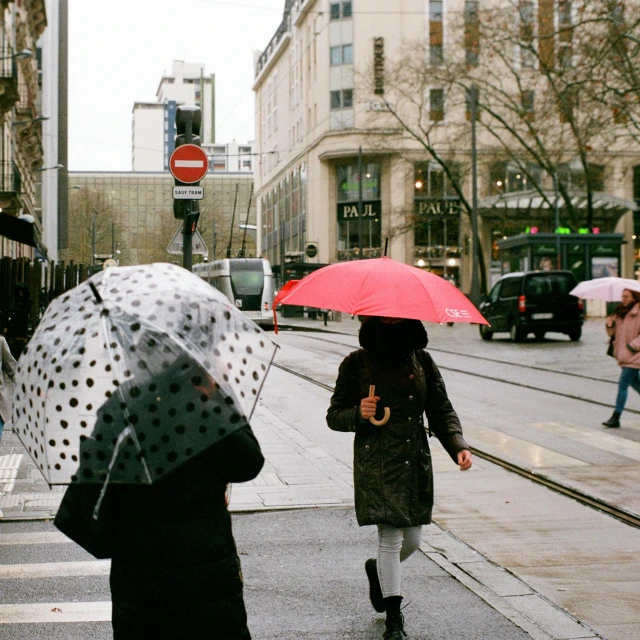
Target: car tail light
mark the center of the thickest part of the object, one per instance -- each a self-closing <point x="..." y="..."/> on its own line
<point x="522" y="304"/>
<point x="581" y="305"/>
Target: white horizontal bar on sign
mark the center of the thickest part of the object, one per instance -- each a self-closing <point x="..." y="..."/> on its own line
<point x="48" y="612"/>
<point x="188" y="193"/>
<point x="192" y="164"/>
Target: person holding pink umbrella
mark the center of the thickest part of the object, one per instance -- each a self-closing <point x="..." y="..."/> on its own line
<point x="623" y="327"/>
<point x="393" y="477"/>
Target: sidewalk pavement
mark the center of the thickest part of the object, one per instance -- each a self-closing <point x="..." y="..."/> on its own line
<point x="278" y="516"/>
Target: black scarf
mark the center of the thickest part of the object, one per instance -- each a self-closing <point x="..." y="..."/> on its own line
<point x="391" y="344"/>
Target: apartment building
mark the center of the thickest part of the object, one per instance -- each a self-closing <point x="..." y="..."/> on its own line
<point x="21" y="148"/>
<point x="363" y="137"/>
<point x="154" y="130"/>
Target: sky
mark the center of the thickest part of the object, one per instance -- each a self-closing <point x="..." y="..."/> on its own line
<point x="119" y="50"/>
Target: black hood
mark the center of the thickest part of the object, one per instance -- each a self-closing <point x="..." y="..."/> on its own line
<point x="392" y="343"/>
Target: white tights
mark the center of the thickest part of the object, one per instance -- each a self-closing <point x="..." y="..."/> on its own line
<point x="394" y="546"/>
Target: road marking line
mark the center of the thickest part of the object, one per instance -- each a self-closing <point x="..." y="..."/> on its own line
<point x="531" y="454"/>
<point x="604" y="441"/>
<point x="55" y="570"/>
<point x="39" y="537"/>
<point x="48" y="612"/>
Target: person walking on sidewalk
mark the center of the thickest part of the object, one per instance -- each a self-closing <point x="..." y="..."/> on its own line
<point x="624" y="329"/>
<point x="7" y="380"/>
<point x="393" y="476"/>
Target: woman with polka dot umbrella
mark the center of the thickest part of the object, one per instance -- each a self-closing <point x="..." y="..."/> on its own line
<point x="134" y="372"/>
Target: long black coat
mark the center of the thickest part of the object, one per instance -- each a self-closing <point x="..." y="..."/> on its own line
<point x="393" y="476"/>
<point x="175" y="571"/>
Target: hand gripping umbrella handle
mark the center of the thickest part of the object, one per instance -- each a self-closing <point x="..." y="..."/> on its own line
<point x="387" y="411"/>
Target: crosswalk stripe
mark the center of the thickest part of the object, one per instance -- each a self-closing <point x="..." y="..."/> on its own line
<point x="48" y="612"/>
<point x="39" y="537"/>
<point x="55" y="570"/>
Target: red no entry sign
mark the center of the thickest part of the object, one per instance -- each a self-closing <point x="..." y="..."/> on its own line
<point x="189" y="163"/>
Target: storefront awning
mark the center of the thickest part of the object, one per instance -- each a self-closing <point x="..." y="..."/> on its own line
<point x="22" y="231"/>
<point x="532" y="200"/>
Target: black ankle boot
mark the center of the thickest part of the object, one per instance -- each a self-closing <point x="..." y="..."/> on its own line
<point x="614" y="421"/>
<point x="375" y="592"/>
<point x="395" y="620"/>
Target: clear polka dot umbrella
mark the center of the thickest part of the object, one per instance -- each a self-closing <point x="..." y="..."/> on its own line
<point x="133" y="372"/>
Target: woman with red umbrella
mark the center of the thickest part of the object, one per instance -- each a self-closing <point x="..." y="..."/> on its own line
<point x="393" y="477"/>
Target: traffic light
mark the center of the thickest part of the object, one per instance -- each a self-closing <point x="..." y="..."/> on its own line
<point x="188" y="123"/>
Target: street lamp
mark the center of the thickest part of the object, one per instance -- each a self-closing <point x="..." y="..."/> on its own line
<point x="20" y="55"/>
<point x="32" y="121"/>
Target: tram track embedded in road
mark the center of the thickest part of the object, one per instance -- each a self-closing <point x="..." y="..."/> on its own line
<point x="522" y="385"/>
<point x="623" y="515"/>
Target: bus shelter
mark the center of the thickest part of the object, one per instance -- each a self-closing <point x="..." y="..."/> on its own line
<point x="586" y="255"/>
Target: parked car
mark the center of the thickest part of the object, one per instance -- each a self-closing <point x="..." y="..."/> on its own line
<point x="533" y="302"/>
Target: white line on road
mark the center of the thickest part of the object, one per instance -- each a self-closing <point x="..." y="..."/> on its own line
<point x="55" y="570"/>
<point x="38" y="537"/>
<point x="47" y="612"/>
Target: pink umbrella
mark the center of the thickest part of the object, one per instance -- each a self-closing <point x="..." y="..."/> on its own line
<point x="384" y="287"/>
<point x="387" y="288"/>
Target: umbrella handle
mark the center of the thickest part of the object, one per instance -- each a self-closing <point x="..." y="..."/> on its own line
<point x="387" y="411"/>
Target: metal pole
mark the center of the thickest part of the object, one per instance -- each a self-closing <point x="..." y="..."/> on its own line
<point x="113" y="240"/>
<point x="475" y="274"/>
<point x="246" y="222"/>
<point x="233" y="221"/>
<point x="213" y="234"/>
<point x="93" y="240"/>
<point x="187" y="230"/>
<point x="444" y="255"/>
<point x="557" y="211"/>
<point x="360" y="248"/>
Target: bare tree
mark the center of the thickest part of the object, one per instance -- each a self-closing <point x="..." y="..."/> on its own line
<point x="93" y="226"/>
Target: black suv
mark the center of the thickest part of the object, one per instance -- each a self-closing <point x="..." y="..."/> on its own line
<point x="533" y="302"/>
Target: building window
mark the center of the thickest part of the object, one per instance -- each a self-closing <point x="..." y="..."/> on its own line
<point x="341" y="55"/>
<point x="471" y="32"/>
<point x="527" y="15"/>
<point x="508" y="177"/>
<point x="436" y="54"/>
<point x="340" y="10"/>
<point x="342" y="99"/>
<point x="528" y="105"/>
<point x="436" y="105"/>
<point x="565" y="33"/>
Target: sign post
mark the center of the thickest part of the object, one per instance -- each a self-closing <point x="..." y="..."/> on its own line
<point x="188" y="165"/>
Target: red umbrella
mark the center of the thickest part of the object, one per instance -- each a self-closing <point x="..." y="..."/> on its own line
<point x="283" y="293"/>
<point x="384" y="287"/>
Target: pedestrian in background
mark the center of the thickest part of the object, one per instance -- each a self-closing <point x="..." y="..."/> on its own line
<point x="7" y="381"/>
<point x="393" y="476"/>
<point x="623" y="326"/>
<point x="325" y="315"/>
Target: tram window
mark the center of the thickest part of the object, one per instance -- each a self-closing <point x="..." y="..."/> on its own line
<point x="247" y="282"/>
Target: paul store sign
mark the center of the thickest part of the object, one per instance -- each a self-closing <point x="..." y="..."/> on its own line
<point x="348" y="211"/>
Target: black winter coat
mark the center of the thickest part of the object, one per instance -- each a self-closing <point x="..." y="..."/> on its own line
<point x="175" y="571"/>
<point x="393" y="476"/>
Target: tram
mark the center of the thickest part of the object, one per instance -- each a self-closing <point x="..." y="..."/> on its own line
<point x="247" y="282"/>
